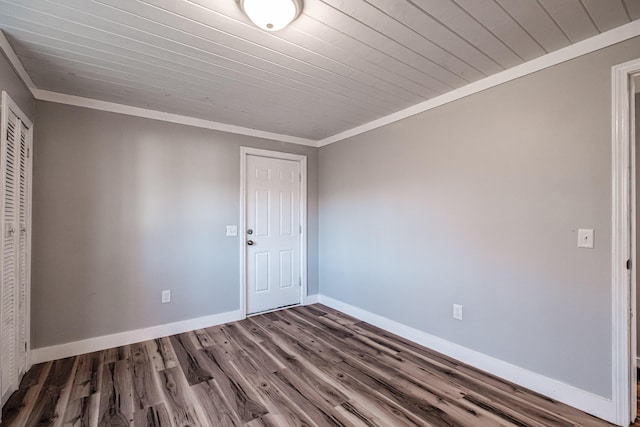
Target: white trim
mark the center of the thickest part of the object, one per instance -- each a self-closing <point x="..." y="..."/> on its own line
<point x="45" y="95"/>
<point x="584" y="47"/>
<point x="15" y="62"/>
<point x="312" y="299"/>
<point x="622" y="377"/>
<point x="244" y="152"/>
<point x="89" y="345"/>
<point x="632" y="288"/>
<point x="583" y="400"/>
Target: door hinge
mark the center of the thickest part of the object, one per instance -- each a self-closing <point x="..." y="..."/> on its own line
<point x="28" y="152"/>
<point x="629" y="264"/>
<point x="25" y="346"/>
<point x="299" y="177"/>
<point x="300" y="282"/>
<point x="300" y="229"/>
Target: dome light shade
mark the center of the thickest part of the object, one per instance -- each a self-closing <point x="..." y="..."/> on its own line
<point x="271" y="15"/>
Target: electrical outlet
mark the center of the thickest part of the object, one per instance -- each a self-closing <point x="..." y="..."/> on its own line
<point x="166" y="296"/>
<point x="457" y="311"/>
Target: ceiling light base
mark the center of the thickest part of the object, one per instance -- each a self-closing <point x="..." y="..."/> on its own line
<point x="271" y="15"/>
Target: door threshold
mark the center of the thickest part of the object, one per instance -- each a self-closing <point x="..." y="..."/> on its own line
<point x="284" y="307"/>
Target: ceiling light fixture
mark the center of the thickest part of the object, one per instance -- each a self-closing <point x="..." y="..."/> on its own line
<point x="271" y="15"/>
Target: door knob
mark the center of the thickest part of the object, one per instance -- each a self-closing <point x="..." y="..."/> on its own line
<point x="250" y="242"/>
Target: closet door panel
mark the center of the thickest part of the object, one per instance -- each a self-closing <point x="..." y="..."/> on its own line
<point x="23" y="264"/>
<point x="15" y="223"/>
<point x="9" y="288"/>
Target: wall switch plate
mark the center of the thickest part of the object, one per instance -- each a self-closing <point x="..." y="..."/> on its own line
<point x="232" y="230"/>
<point x="585" y="238"/>
<point x="166" y="297"/>
<point x="457" y="311"/>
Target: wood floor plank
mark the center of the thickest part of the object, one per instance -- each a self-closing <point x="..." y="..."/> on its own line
<point x="178" y="398"/>
<point x="203" y="338"/>
<point x="239" y="395"/>
<point x="185" y="351"/>
<point x="217" y="409"/>
<point x="146" y="392"/>
<point x="64" y="395"/>
<point x="313" y="403"/>
<point x="304" y="366"/>
<point x="246" y="342"/>
<point x="407" y="345"/>
<point x="254" y="334"/>
<point x="370" y="413"/>
<point x="85" y="382"/>
<point x="78" y="412"/>
<point x="277" y="402"/>
<point x="118" y="353"/>
<point x="161" y="353"/>
<point x="44" y="409"/>
<point x="220" y="340"/>
<point x="20" y="405"/>
<point x="116" y="404"/>
<point x="387" y="412"/>
<point x="154" y="416"/>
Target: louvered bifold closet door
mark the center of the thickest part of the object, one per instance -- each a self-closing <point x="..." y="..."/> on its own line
<point x="15" y="224"/>
<point x="9" y="249"/>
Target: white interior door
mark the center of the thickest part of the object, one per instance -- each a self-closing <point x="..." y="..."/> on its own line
<point x="273" y="239"/>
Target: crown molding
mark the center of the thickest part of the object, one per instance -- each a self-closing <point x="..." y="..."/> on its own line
<point x="78" y="101"/>
<point x="573" y="51"/>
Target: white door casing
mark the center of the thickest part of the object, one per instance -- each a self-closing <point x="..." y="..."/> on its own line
<point x="273" y="230"/>
<point x="273" y="233"/>
<point x="623" y="244"/>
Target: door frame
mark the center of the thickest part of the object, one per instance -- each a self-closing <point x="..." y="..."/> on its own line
<point x="623" y="243"/>
<point x="302" y="159"/>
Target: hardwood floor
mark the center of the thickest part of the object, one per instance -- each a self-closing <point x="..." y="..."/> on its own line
<point x="306" y="366"/>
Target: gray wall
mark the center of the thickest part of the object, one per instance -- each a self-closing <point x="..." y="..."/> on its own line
<point x="124" y="207"/>
<point x="477" y="203"/>
<point x="13" y="85"/>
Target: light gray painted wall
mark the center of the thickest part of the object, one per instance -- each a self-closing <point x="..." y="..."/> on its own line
<point x="477" y="202"/>
<point x="124" y="207"/>
<point x="13" y="85"/>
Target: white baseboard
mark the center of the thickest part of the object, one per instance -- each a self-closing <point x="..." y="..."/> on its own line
<point x="60" y="351"/>
<point x="312" y="299"/>
<point x="585" y="401"/>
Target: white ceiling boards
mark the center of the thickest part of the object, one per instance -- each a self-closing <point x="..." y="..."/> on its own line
<point x="340" y="65"/>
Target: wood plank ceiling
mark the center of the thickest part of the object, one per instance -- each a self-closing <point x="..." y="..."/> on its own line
<point x="341" y="64"/>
